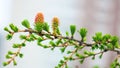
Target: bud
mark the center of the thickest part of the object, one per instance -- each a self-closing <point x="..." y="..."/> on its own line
<point x="5" y="63"/>
<point x="55" y="24"/>
<point x="55" y="21"/>
<point x="39" y="18"/>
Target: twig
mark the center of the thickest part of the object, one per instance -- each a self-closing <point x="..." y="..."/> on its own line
<point x="16" y="53"/>
<point x="69" y="57"/>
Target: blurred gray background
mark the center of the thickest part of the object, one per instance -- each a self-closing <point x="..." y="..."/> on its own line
<point x="95" y="15"/>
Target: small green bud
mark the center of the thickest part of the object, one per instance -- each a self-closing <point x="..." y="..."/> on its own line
<point x="40" y="44"/>
<point x="59" y="65"/>
<point x="61" y="61"/>
<point x="5" y="63"/>
<point x="39" y="27"/>
<point x="23" y="44"/>
<point x="98" y="37"/>
<point x="26" y="23"/>
<point x="48" y="36"/>
<point x="81" y="61"/>
<point x="6" y="29"/>
<point x="86" y="52"/>
<point x="33" y="36"/>
<point x="13" y="27"/>
<point x="14" y="63"/>
<point x="10" y="53"/>
<point x="80" y="56"/>
<point x="8" y="56"/>
<point x="68" y="52"/>
<point x="21" y="55"/>
<point x="45" y="46"/>
<point x="100" y="56"/>
<point x="23" y="37"/>
<point x="16" y="45"/>
<point x="89" y="53"/>
<point x="71" y="58"/>
<point x="106" y="37"/>
<point x="62" y="49"/>
<point x="46" y="27"/>
<point x="72" y="29"/>
<point x="81" y="47"/>
<point x="114" y="39"/>
<point x="83" y="32"/>
<point x="65" y="58"/>
<point x="58" y="41"/>
<point x="9" y="36"/>
<point x="52" y="43"/>
<point x="67" y="33"/>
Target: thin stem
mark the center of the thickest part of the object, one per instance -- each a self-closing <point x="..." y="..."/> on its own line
<point x="55" y="36"/>
<point x="59" y="37"/>
<point x="16" y="53"/>
<point x="69" y="57"/>
<point x="101" y="52"/>
<point x="90" y="55"/>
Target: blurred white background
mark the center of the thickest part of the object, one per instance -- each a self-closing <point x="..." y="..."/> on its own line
<point x="95" y="15"/>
